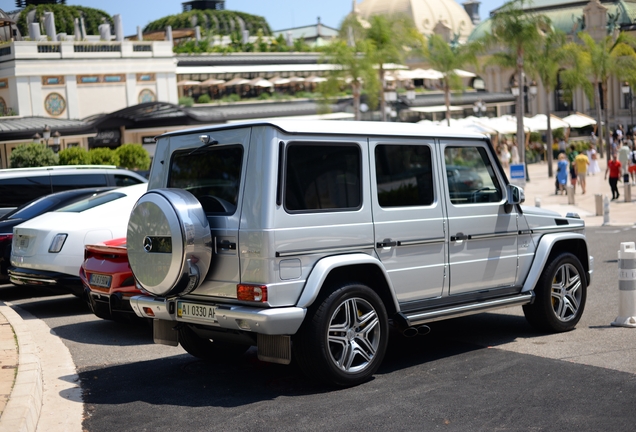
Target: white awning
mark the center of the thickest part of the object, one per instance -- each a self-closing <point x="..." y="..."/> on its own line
<point x="579" y="120"/>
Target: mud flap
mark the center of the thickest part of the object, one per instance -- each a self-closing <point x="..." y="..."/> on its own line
<point x="164" y="333"/>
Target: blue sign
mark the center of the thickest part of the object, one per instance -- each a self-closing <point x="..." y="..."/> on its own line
<point x="517" y="172"/>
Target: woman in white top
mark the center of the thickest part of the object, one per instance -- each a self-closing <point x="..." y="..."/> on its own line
<point x="592" y="155"/>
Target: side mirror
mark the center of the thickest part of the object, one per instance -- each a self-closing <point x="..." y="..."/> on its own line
<point x="515" y="195"/>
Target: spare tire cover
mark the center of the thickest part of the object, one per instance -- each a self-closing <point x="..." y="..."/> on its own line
<point x="169" y="242"/>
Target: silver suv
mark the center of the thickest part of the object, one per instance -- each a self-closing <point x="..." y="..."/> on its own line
<point x="310" y="239"/>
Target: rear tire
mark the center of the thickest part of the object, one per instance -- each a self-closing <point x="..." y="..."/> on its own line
<point x="344" y="338"/>
<point x="560" y="295"/>
<point x="208" y="350"/>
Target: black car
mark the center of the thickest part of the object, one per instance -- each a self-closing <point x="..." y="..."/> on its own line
<point x="30" y="210"/>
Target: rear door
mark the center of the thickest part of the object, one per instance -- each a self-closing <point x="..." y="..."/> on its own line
<point x="483" y="234"/>
<point x="214" y="175"/>
<point x="408" y="216"/>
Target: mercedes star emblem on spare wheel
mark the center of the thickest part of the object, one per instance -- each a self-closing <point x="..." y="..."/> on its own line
<point x="147" y="244"/>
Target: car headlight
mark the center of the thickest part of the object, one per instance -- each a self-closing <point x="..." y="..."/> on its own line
<point x="57" y="243"/>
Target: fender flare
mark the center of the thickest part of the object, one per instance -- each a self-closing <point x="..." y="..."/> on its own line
<point x="541" y="254"/>
<point x="323" y="267"/>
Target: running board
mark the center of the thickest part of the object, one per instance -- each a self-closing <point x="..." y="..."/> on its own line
<point x="417" y="318"/>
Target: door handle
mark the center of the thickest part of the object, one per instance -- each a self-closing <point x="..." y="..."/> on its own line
<point x="225" y="245"/>
<point x="387" y="243"/>
<point x="460" y="237"/>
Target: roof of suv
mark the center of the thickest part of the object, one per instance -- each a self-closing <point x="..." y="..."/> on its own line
<point x="345" y="128"/>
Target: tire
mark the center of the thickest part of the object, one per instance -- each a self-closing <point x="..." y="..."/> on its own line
<point x="331" y="347"/>
<point x="206" y="349"/>
<point x="560" y="295"/>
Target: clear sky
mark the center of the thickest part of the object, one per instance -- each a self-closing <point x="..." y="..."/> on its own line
<point x="280" y="14"/>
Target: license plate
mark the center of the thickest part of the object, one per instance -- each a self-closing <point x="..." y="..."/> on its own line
<point x="23" y="242"/>
<point x="100" y="280"/>
<point x="195" y="312"/>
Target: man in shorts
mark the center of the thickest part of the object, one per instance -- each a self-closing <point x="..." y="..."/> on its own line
<point x="581" y="162"/>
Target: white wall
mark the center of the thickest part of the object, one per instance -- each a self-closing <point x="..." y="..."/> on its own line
<point x="100" y="99"/>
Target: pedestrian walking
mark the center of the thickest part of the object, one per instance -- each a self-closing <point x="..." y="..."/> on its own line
<point x="592" y="155"/>
<point x="504" y="155"/>
<point x="572" y="154"/>
<point x="614" y="170"/>
<point x="514" y="153"/>
<point x="632" y="164"/>
<point x="562" y="173"/>
<point x="581" y="163"/>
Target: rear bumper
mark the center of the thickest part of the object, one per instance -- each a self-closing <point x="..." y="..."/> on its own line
<point x="114" y="303"/>
<point x="31" y="277"/>
<point x="271" y="321"/>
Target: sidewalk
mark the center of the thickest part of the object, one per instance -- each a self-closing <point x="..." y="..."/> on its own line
<point x="38" y="381"/>
<point x="540" y="191"/>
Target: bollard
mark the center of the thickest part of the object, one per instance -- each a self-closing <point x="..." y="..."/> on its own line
<point x="627" y="286"/>
<point x="537" y="202"/>
<point x="598" y="201"/>
<point x="570" y="192"/>
<point x="605" y="210"/>
<point x="627" y="192"/>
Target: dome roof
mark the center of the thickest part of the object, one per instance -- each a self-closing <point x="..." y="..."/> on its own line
<point x="426" y="14"/>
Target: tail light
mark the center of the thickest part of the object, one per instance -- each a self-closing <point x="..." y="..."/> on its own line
<point x="253" y="293"/>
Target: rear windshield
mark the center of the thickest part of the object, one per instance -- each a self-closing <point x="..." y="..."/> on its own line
<point x="212" y="175"/>
<point x="89" y="203"/>
<point x="29" y="211"/>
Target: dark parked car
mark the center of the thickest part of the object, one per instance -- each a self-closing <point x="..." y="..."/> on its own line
<point x="32" y="209"/>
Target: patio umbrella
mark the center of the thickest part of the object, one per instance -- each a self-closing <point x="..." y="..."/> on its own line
<point x="235" y="81"/>
<point x="188" y="83"/>
<point x="464" y="74"/>
<point x="579" y="120"/>
<point x="279" y="80"/>
<point x="296" y="79"/>
<point x="315" y="79"/>
<point x="212" y="82"/>
<point x="259" y="82"/>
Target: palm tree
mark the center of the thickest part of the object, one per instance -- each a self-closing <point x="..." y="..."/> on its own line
<point x="391" y="38"/>
<point x="518" y="33"/>
<point x="354" y="66"/>
<point x="447" y="58"/>
<point x="545" y="63"/>
<point x="603" y="59"/>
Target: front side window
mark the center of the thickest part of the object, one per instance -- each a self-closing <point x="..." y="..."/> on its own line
<point x="471" y="177"/>
<point x="212" y="175"/>
<point x="404" y="175"/>
<point x="323" y="177"/>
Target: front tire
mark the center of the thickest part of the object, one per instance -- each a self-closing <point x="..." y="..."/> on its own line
<point x="560" y="295"/>
<point x="344" y="338"/>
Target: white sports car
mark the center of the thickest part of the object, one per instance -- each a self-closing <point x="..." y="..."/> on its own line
<point x="49" y="249"/>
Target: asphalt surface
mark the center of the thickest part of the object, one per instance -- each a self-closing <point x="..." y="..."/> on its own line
<point x="488" y="372"/>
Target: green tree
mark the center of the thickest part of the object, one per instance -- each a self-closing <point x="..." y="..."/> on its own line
<point x="516" y="32"/>
<point x="391" y="39"/>
<point x="602" y="60"/>
<point x="32" y="155"/>
<point x="447" y="58"/>
<point x="353" y="57"/>
<point x="103" y="156"/>
<point x="133" y="156"/>
<point x="74" y="156"/>
<point x="545" y="63"/>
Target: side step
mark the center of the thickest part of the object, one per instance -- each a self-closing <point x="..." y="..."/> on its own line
<point x="417" y="318"/>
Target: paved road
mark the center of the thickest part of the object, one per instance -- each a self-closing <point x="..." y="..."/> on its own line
<point x="486" y="372"/>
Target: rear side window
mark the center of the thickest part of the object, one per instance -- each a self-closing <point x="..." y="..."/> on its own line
<point x="322" y="177"/>
<point x="212" y="175"/>
<point x="404" y="175"/>
<point x="16" y="191"/>
<point x="75" y="181"/>
<point x="94" y="201"/>
<point x="124" y="180"/>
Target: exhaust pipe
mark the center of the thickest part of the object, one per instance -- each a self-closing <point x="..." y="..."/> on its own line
<point x="415" y="331"/>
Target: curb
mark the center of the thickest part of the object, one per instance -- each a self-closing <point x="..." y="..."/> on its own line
<point x="25" y="403"/>
<point x="46" y="396"/>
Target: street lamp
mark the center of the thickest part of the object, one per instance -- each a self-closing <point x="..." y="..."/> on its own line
<point x="56" y="141"/>
<point x="390" y="96"/>
<point x="46" y="134"/>
<point x="627" y="91"/>
<point x="479" y="108"/>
